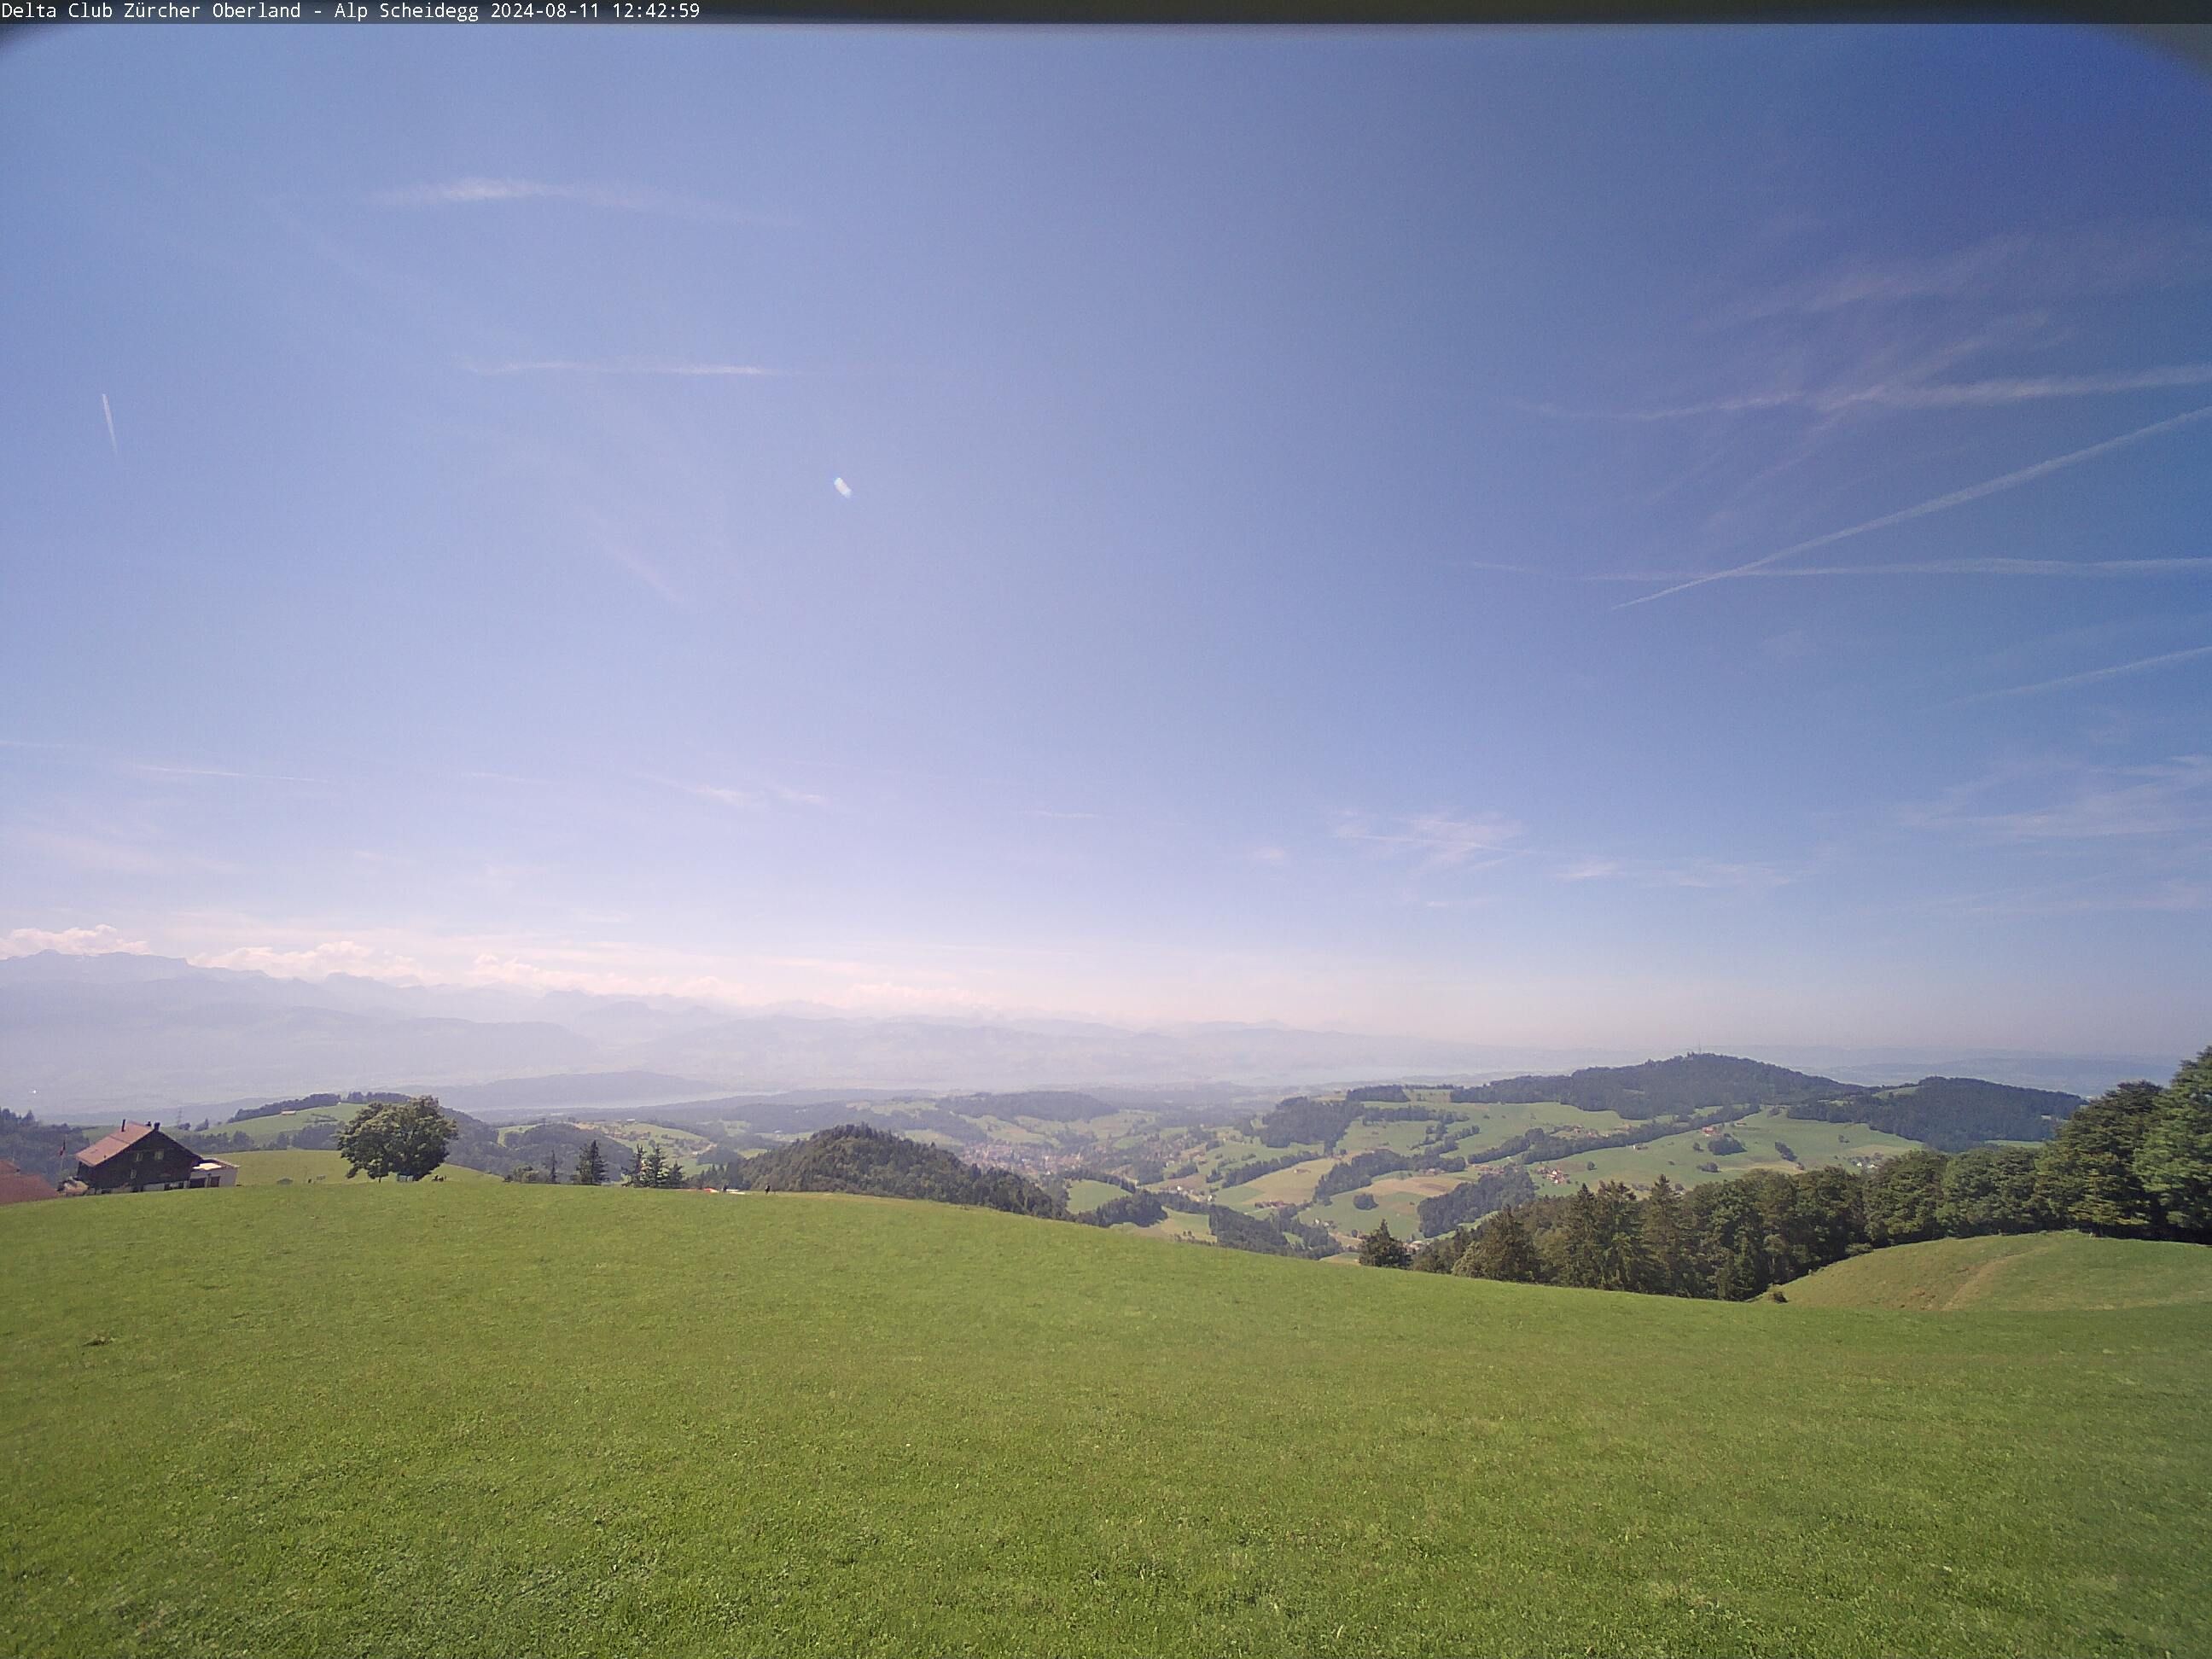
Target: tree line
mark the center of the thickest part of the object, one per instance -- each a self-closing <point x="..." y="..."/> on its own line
<point x="1663" y="1088"/>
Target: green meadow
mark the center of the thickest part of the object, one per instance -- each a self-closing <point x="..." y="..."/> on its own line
<point x="494" y="1419"/>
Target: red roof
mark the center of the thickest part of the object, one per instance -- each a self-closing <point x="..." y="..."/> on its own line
<point x="124" y="1138"/>
<point x="16" y="1188"/>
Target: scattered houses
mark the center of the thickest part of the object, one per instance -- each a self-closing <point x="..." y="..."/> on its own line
<point x="139" y="1158"/>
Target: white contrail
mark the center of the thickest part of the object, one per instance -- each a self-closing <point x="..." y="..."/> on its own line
<point x="1941" y="504"/>
<point x="108" y="415"/>
<point x="681" y="370"/>
<point x="2141" y="666"/>
<point x="620" y="199"/>
<point x="1979" y="567"/>
<point x="1963" y="394"/>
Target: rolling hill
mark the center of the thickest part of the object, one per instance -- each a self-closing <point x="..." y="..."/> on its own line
<point x="2028" y="1273"/>
<point x="489" y="1418"/>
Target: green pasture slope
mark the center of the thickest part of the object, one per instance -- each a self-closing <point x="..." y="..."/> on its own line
<point x="292" y="1164"/>
<point x="2034" y="1273"/>
<point x="496" y="1419"/>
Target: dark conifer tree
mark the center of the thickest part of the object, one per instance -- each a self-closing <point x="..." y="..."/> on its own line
<point x="1380" y="1249"/>
<point x="1666" y="1244"/>
<point x="1502" y="1250"/>
<point x="1578" y="1248"/>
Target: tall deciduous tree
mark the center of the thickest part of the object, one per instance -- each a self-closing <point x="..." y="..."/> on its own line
<point x="2174" y="1163"/>
<point x="408" y="1139"/>
<point x="1990" y="1189"/>
<point x="1905" y="1199"/>
<point x="2087" y="1177"/>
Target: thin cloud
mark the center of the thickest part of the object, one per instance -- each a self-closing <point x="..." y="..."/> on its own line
<point x="643" y="569"/>
<point x="108" y="415"/>
<point x="2017" y="803"/>
<point x="1592" y="870"/>
<point x="1940" y="504"/>
<point x="1704" y="875"/>
<point x="670" y="369"/>
<point x="218" y="772"/>
<point x="1439" y="841"/>
<point x="2095" y="676"/>
<point x="744" y="799"/>
<point x="477" y="192"/>
<point x="103" y="856"/>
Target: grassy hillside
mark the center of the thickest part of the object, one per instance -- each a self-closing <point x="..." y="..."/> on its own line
<point x="2033" y="1273"/>
<point x="492" y="1418"/>
<point x="291" y="1164"/>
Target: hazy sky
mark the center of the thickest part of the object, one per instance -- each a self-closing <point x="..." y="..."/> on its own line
<point x="1666" y="538"/>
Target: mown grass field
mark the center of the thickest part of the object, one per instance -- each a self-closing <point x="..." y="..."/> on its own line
<point x="297" y="1167"/>
<point x="1176" y="1225"/>
<point x="1397" y="1201"/>
<point x="2033" y="1273"/>
<point x="1294" y="1185"/>
<point x="494" y="1419"/>
<point x="1495" y="1123"/>
<point x="1677" y="1156"/>
<point x="1087" y="1195"/>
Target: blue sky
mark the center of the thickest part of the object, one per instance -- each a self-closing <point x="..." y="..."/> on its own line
<point x="1166" y="527"/>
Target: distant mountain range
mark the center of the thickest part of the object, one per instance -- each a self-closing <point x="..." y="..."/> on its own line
<point x="98" y="1035"/>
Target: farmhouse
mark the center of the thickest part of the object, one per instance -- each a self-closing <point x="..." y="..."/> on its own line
<point x="139" y="1158"/>
<point x="16" y="1188"/>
